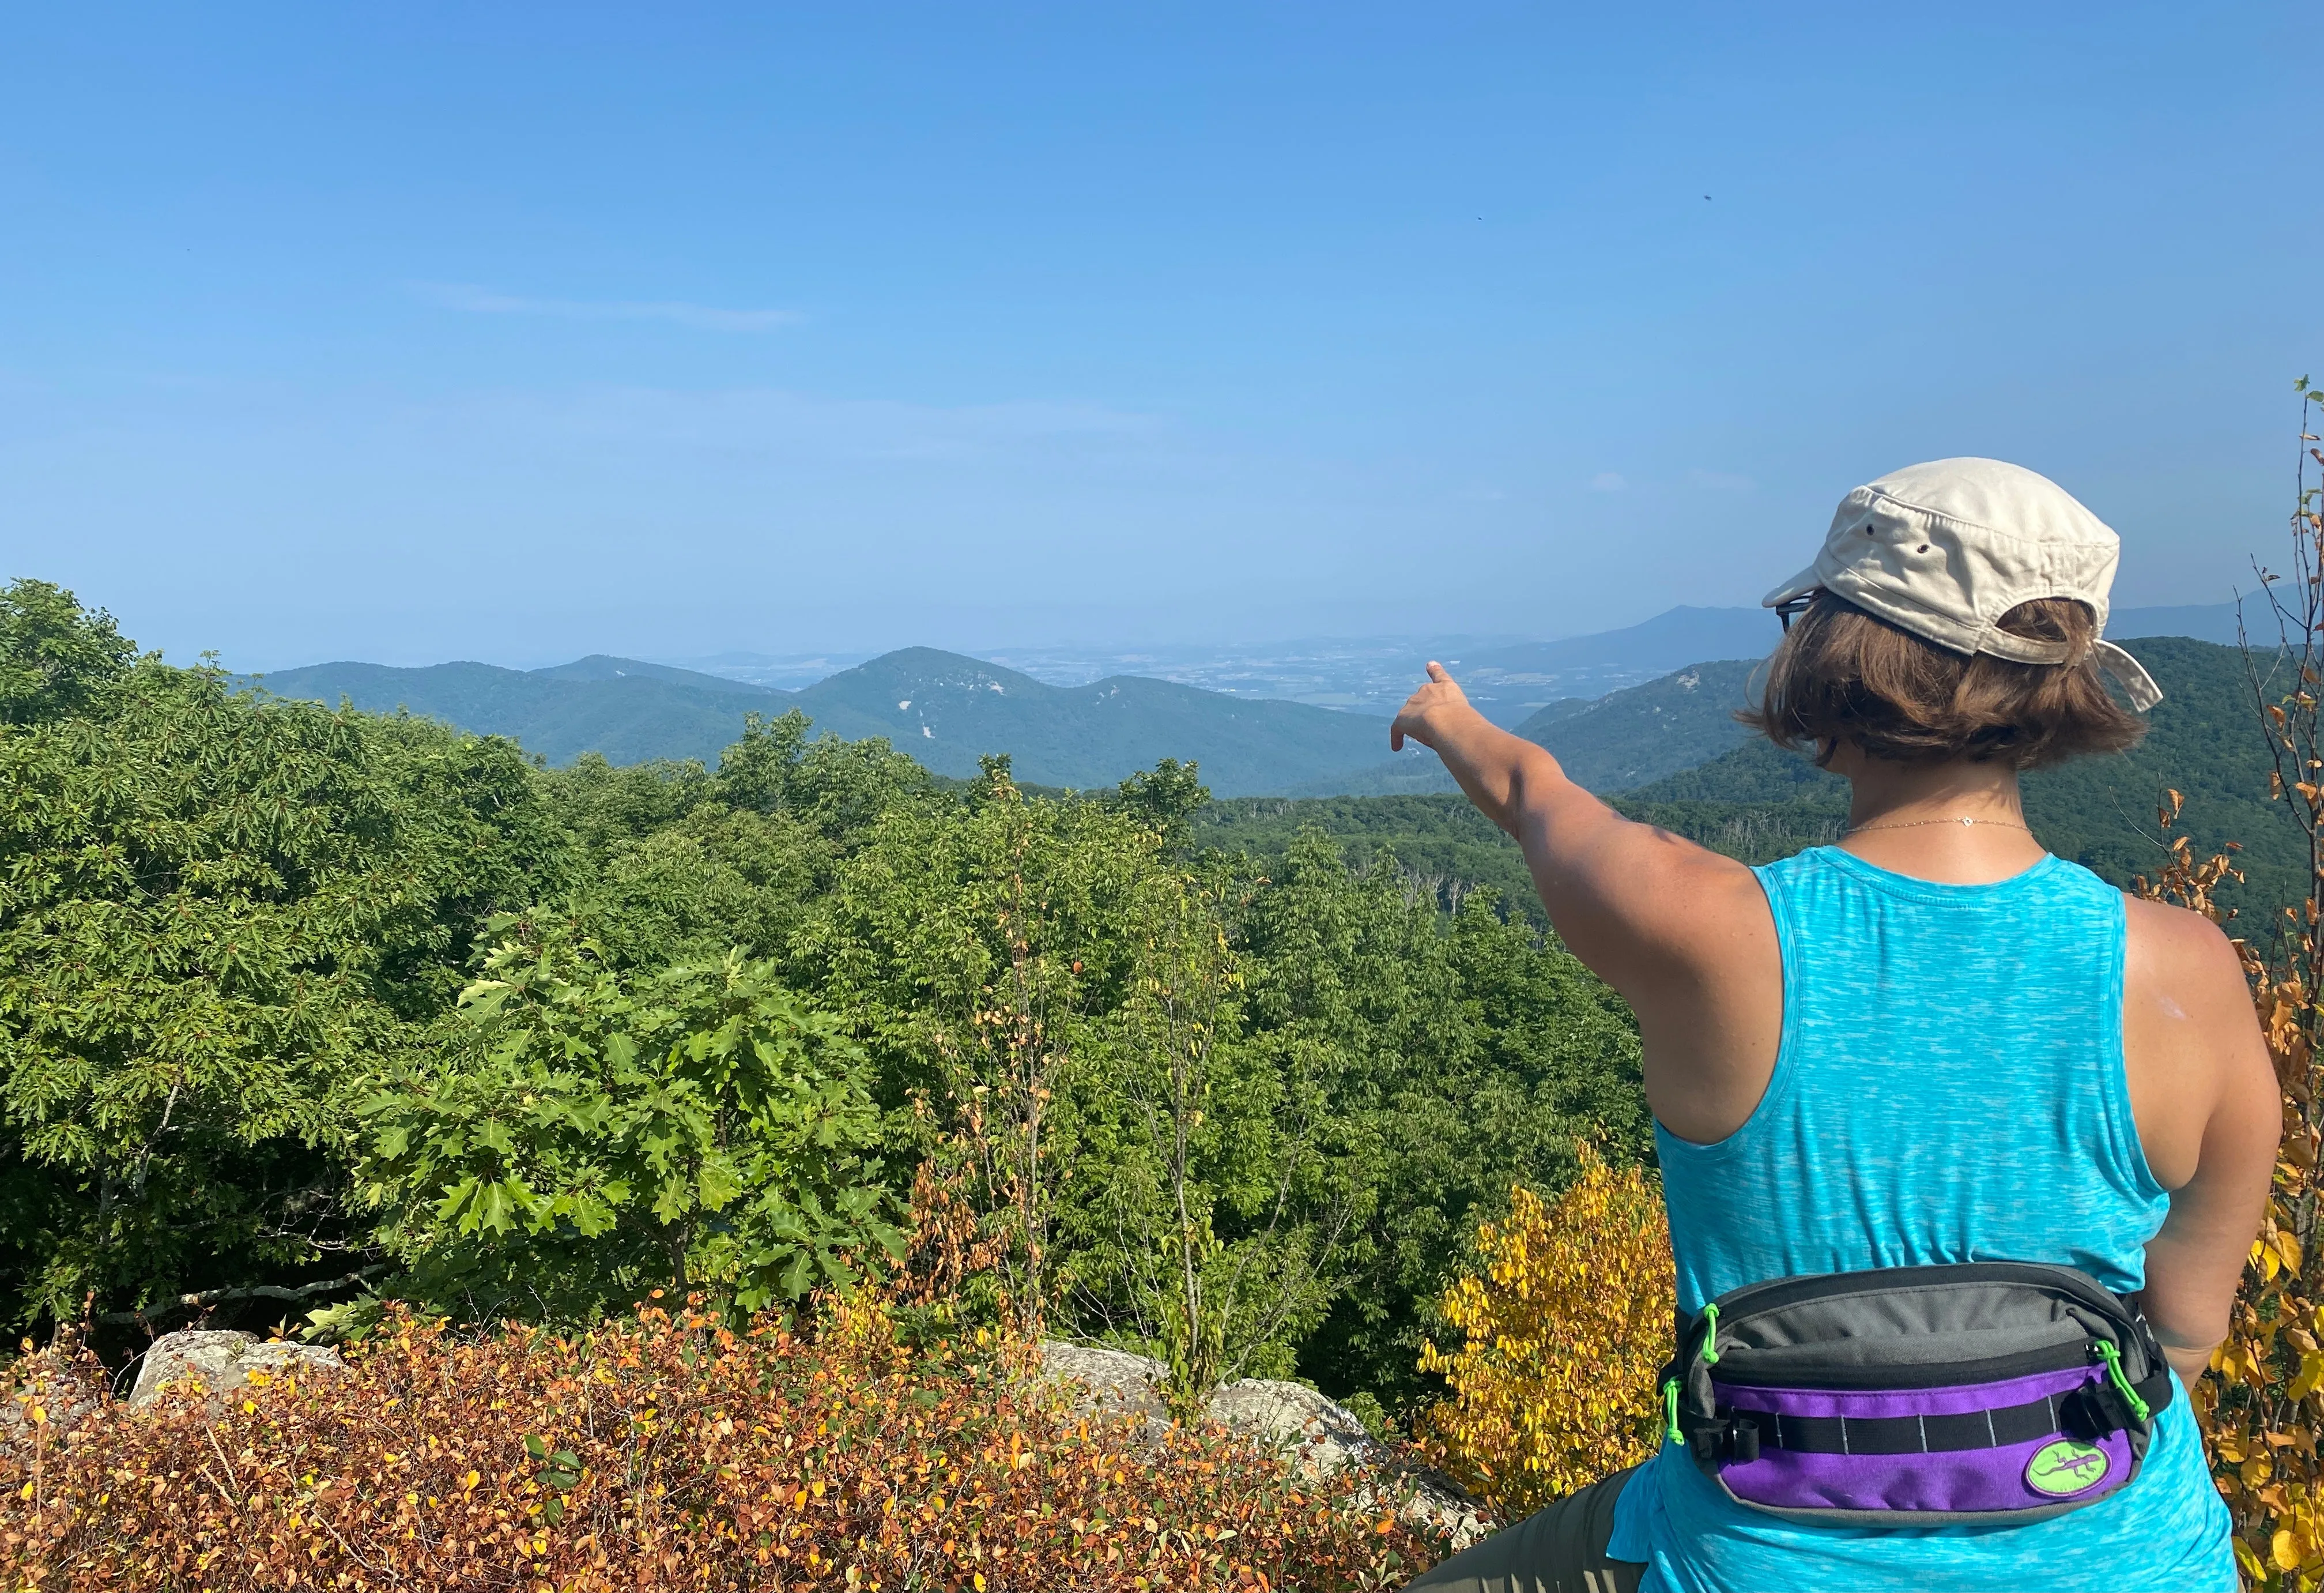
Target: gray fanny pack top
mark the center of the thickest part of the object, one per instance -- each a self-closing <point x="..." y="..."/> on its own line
<point x="1988" y="1393"/>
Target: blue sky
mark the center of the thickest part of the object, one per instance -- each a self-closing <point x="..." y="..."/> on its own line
<point x="510" y="332"/>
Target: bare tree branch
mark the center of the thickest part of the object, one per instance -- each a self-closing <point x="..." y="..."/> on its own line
<point x="210" y="1297"/>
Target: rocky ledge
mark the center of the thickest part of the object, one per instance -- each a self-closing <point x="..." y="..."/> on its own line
<point x="221" y="1362"/>
<point x="1317" y="1435"/>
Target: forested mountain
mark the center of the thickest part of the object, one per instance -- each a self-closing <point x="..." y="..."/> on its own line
<point x="2203" y="740"/>
<point x="626" y="711"/>
<point x="946" y="709"/>
<point x="1607" y="743"/>
<point x="1630" y="737"/>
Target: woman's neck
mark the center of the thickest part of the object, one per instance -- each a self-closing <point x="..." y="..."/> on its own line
<point x="1907" y="817"/>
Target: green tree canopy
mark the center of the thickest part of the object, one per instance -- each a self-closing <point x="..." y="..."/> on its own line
<point x="55" y="657"/>
<point x="216" y="913"/>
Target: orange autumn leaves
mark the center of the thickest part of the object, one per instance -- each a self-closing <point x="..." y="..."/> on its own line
<point x="2263" y="1404"/>
<point x="668" y="1452"/>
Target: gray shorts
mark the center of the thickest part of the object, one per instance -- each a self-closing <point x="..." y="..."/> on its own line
<point x="1560" y="1550"/>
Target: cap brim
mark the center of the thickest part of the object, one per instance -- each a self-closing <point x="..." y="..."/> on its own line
<point x="2129" y="674"/>
<point x="1799" y="585"/>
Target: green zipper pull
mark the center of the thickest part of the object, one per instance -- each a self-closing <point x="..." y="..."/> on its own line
<point x="1670" y="1409"/>
<point x="2113" y="1358"/>
<point x="1711" y="1336"/>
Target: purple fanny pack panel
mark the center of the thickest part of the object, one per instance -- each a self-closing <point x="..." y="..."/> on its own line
<point x="1980" y="1393"/>
<point x="1978" y="1448"/>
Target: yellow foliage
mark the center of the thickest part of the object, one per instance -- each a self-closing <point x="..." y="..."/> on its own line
<point x="1555" y="1385"/>
<point x="2260" y="1407"/>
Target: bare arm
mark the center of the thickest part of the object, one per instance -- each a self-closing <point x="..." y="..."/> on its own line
<point x="1683" y="934"/>
<point x="2210" y="1116"/>
<point x="1514" y="782"/>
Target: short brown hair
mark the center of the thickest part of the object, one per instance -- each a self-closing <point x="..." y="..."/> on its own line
<point x="1843" y="675"/>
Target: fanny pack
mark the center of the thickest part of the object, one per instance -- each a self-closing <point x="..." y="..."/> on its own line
<point x="1994" y="1392"/>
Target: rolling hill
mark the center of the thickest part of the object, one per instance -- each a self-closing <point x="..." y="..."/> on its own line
<point x="1610" y="744"/>
<point x="630" y="712"/>
<point x="945" y="709"/>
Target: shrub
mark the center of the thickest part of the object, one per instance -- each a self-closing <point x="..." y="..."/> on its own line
<point x="666" y="1452"/>
<point x="585" y="1136"/>
<point x="2263" y="1404"/>
<point x="1555" y="1384"/>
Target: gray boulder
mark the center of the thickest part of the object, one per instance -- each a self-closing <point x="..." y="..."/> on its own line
<point x="1315" y="1433"/>
<point x="1324" y="1436"/>
<point x="1112" y="1382"/>
<point x="1291" y="1416"/>
<point x="222" y="1362"/>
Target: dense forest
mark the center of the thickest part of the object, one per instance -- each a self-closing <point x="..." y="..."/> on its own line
<point x="307" y="1008"/>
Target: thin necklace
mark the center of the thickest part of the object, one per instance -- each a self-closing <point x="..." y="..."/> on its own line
<point x="1921" y="823"/>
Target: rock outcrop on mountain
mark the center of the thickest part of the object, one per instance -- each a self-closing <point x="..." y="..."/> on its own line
<point x="223" y="1362"/>
<point x="1315" y="1433"/>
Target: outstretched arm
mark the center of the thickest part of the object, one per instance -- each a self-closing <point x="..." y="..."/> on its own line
<point x="1682" y="933"/>
<point x="1623" y="895"/>
<point x="1514" y="782"/>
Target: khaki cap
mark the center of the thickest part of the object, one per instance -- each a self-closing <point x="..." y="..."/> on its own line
<point x="1947" y="548"/>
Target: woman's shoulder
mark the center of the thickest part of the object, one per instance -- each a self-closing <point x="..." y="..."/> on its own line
<point x="2184" y="950"/>
<point x="2191" y="1042"/>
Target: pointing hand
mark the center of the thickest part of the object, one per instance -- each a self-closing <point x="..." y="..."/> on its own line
<point x="1424" y="713"/>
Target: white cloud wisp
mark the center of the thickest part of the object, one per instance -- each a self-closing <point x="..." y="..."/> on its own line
<point x="475" y="300"/>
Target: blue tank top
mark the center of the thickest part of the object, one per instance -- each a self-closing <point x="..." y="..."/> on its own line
<point x="1948" y="1088"/>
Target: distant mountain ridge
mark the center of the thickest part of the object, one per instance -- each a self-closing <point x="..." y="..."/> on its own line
<point x="1672" y="638"/>
<point x="943" y="708"/>
<point x="627" y="710"/>
<point x="1619" y="740"/>
<point x="945" y="711"/>
<point x="946" y="708"/>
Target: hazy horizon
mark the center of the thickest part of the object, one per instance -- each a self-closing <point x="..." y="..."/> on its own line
<point x="442" y="332"/>
<point x="1047" y="662"/>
